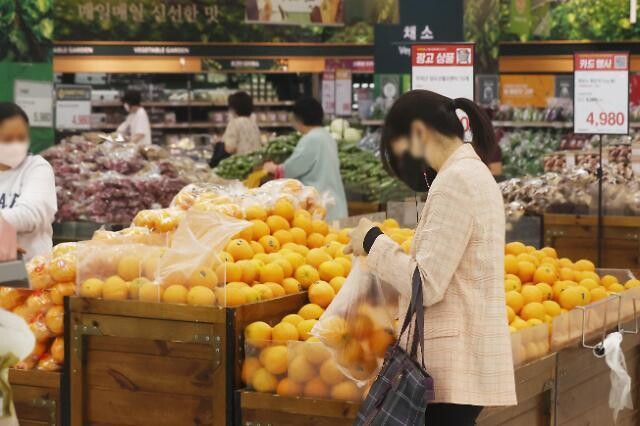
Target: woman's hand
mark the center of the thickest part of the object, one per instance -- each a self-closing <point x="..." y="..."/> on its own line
<point x="270" y="167"/>
<point x="356" y="246"/>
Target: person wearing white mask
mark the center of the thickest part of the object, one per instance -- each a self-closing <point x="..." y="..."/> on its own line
<point x="136" y="126"/>
<point x="27" y="184"/>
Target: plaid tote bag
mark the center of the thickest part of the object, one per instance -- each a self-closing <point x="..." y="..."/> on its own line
<point x="402" y="390"/>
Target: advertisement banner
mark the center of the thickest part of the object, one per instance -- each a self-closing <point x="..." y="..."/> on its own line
<point x="295" y="12"/>
<point x="446" y="69"/>
<point x="36" y="99"/>
<point x="526" y="90"/>
<point x="329" y="92"/>
<point x="601" y="101"/>
<point x="73" y="107"/>
<point x="343" y="95"/>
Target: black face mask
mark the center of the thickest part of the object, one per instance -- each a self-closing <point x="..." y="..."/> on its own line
<point x="416" y="173"/>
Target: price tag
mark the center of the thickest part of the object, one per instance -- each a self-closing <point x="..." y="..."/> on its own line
<point x="329" y="92"/>
<point x="343" y="92"/>
<point x="446" y="69"/>
<point x="73" y="107"/>
<point x="601" y="99"/>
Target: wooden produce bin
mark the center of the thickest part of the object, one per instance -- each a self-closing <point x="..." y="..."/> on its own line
<point x="134" y="363"/>
<point x="575" y="237"/>
<point x="534" y="384"/>
<point x="36" y="396"/>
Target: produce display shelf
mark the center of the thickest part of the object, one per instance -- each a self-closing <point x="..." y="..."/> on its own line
<point x="194" y="125"/>
<point x="37" y="396"/>
<point x="185" y="104"/>
<point x="159" y="363"/>
<point x="535" y="124"/>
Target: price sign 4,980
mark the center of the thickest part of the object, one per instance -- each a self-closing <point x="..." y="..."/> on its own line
<point x="606" y="119"/>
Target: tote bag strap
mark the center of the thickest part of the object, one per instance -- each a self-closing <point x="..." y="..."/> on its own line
<point x="415" y="312"/>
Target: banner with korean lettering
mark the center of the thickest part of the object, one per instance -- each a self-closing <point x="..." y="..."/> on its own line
<point x="601" y="97"/>
<point x="295" y="12"/>
<point x="446" y="69"/>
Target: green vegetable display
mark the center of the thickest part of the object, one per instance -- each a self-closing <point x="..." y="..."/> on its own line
<point x="523" y="151"/>
<point x="26" y="30"/>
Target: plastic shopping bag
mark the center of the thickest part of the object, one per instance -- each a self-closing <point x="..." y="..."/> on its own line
<point x="359" y="325"/>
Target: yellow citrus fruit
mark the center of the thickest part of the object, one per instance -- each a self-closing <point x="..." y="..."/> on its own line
<point x="379" y="342"/>
<point x="314" y="351"/>
<point x="276" y="223"/>
<point x="92" y="288"/>
<point x="571" y="297"/>
<point x="264" y="290"/>
<point x="250" y="271"/>
<point x="546" y="290"/>
<point x="258" y="334"/>
<point x="514" y="300"/>
<point x="115" y="288"/>
<point x="613" y="288"/>
<point x="255" y="212"/>
<point x="301" y="370"/>
<point x="510" y="285"/>
<point x="321" y="293"/>
<point x="239" y="249"/>
<point x="632" y="284"/>
<point x="284" y="208"/>
<point x="592" y="275"/>
<point x="293" y="319"/>
<point x="533" y="310"/>
<point x="249" y="368"/>
<point x="259" y="229"/>
<point x="330" y="269"/>
<point x="263" y="381"/>
<point x="607" y="280"/>
<point x="510" y="264"/>
<point x="316" y="388"/>
<point x="291" y="286"/>
<point x="229" y="272"/>
<point x="129" y="268"/>
<point x="551" y="308"/>
<point x="271" y="272"/>
<point x="277" y="289"/>
<point x="306" y="275"/>
<point x="360" y="327"/>
<point x="315" y="240"/>
<point x="320" y="227"/>
<point x="330" y="372"/>
<point x="201" y="295"/>
<point x="256" y="247"/>
<point x="251" y="295"/>
<point x="584" y="265"/>
<point x="337" y="283"/>
<point x="545" y="274"/>
<point x="246" y="234"/>
<point x="331" y="238"/>
<point x="549" y="252"/>
<point x="283" y="236"/>
<point x="311" y="311"/>
<point x="175" y="294"/>
<point x="514" y="248"/>
<point x="346" y="391"/>
<point x="518" y="323"/>
<point x="531" y="293"/>
<point x="296" y="260"/>
<point x="565" y="262"/>
<point x="343" y="236"/>
<point x="269" y="243"/>
<point x="305" y="327"/>
<point x="298" y="235"/>
<point x="346" y="264"/>
<point x="303" y="223"/>
<point x="588" y="283"/>
<point x="598" y="293"/>
<point x="288" y="387"/>
<point x="526" y="269"/>
<point x="203" y="276"/>
<point x="316" y="257"/>
<point x="150" y="292"/>
<point x="567" y="274"/>
<point x="284" y="331"/>
<point x="558" y="288"/>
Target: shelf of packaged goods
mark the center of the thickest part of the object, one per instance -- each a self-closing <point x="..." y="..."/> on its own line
<point x="195" y="125"/>
<point x="535" y="124"/>
<point x="186" y="104"/>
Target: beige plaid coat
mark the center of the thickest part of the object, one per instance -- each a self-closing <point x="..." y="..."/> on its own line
<point x="459" y="250"/>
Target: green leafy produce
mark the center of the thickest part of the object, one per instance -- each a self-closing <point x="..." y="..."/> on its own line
<point x="523" y="151"/>
<point x="603" y="20"/>
<point x="26" y="30"/>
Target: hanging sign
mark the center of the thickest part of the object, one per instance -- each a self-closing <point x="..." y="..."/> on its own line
<point x="446" y="69"/>
<point x="343" y="92"/>
<point x="329" y="92"/>
<point x="73" y="107"/>
<point x="601" y="100"/>
<point x="36" y="99"/>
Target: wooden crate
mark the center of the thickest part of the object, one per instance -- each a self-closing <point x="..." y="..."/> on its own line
<point x="36" y="395"/>
<point x="575" y="237"/>
<point x="534" y="383"/>
<point x="363" y="207"/>
<point x="583" y="384"/>
<point x="134" y="363"/>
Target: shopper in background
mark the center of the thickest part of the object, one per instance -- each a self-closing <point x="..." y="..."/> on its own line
<point x="315" y="160"/>
<point x="242" y="135"/>
<point x="458" y="250"/>
<point x="136" y="125"/>
<point x="27" y="185"/>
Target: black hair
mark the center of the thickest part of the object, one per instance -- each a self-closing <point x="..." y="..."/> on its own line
<point x="241" y="103"/>
<point x="439" y="113"/>
<point x="10" y="110"/>
<point x="132" y="97"/>
<point x="308" y="111"/>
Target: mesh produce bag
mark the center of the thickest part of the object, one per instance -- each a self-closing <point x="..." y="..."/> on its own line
<point x="359" y="325"/>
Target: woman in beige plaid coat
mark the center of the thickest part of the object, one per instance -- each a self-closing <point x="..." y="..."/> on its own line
<point x="458" y="249"/>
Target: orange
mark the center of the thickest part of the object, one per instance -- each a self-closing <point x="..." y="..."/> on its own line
<point x="274" y="358"/>
<point x="531" y="293"/>
<point x="229" y="272"/>
<point x="298" y="235"/>
<point x="545" y="274"/>
<point x="330" y="373"/>
<point x="296" y="260"/>
<point x="510" y="314"/>
<point x="337" y="283"/>
<point x="516" y="279"/>
<point x="287" y="269"/>
<point x="551" y="308"/>
<point x="331" y="269"/>
<point x="510" y="285"/>
<point x="514" y="248"/>
<point x="284" y="331"/>
<point x="150" y="292"/>
<point x="261" y="259"/>
<point x="510" y="264"/>
<point x="306" y="275"/>
<point x="598" y="293"/>
<point x="584" y="265"/>
<point x="533" y="310"/>
<point x="232" y="297"/>
<point x="256" y="247"/>
<point x="546" y="290"/>
<point x="320" y="226"/>
<point x="301" y="370"/>
<point x="549" y="252"/>
<point x="613" y="288"/>
<point x="271" y="272"/>
<point x="332" y="247"/>
<point x="303" y="223"/>
<point x="514" y="300"/>
<point x="276" y="289"/>
<point x="175" y="294"/>
<point x="527" y="257"/>
<point x="346" y="264"/>
<point x="310" y="311"/>
<point x="526" y="270"/>
<point x="92" y="288"/>
<point x="251" y="295"/>
<point x="283" y="236"/>
<point x="321" y="293"/>
<point x="302" y="249"/>
<point x="250" y="271"/>
<point x="203" y="276"/>
<point x="571" y="297"/>
<point x="260" y="229"/>
<point x="592" y="275"/>
<point x="315" y="240"/>
<point x="331" y="238"/>
<point x="558" y="288"/>
<point x="201" y="295"/>
<point x="315" y="351"/>
<point x="518" y="323"/>
<point x="334" y="331"/>
<point x="276" y="223"/>
<point x="607" y="280"/>
<point x="288" y="387"/>
<point x="316" y="388"/>
<point x="249" y="368"/>
<point x="58" y="292"/>
<point x="567" y="274"/>
<point x="263" y="381"/>
<point x="258" y="334"/>
<point x="129" y="268"/>
<point x="115" y="288"/>
<point x="406" y="246"/>
<point x="294" y="319"/>
<point x="270" y="244"/>
<point x="255" y="212"/>
<point x="529" y="249"/>
<point x="239" y="249"/>
<point x="343" y="236"/>
<point x="346" y="391"/>
<point x="284" y="208"/>
<point x="225" y="257"/>
<point x="632" y="284"/>
<point x="54" y="319"/>
<point x="379" y="341"/>
<point x="246" y="234"/>
<point x="350" y="353"/>
<point x="291" y="286"/>
<point x="588" y="283"/>
<point x="264" y="290"/>
<point x="316" y="257"/>
<point x="360" y="327"/>
<point x="565" y="263"/>
<point x="305" y="327"/>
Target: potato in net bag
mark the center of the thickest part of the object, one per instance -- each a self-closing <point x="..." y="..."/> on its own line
<point x="359" y="324"/>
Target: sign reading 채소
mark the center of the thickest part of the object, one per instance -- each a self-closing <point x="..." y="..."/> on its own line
<point x="446" y="69"/>
<point x="601" y="98"/>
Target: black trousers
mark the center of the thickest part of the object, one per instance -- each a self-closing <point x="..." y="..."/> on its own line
<point x="451" y="415"/>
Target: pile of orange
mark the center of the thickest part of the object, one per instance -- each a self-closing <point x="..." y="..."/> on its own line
<point x="540" y="286"/>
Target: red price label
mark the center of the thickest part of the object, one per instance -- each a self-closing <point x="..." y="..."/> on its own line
<point x="606" y="119"/>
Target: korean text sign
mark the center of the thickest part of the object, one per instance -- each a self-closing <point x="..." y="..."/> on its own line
<point x="446" y="69"/>
<point x="601" y="98"/>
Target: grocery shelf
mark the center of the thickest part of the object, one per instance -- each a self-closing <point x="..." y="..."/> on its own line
<point x="537" y="124"/>
<point x="194" y="125"/>
<point x="372" y="122"/>
<point x="186" y="104"/>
